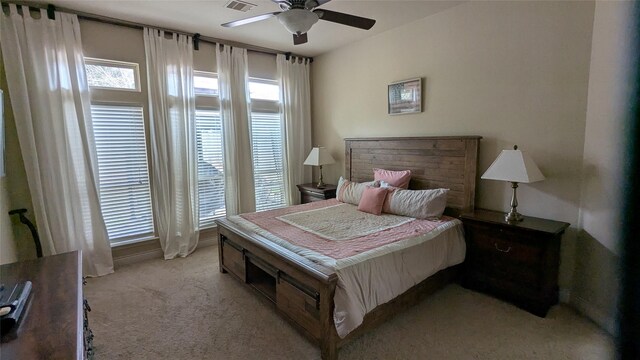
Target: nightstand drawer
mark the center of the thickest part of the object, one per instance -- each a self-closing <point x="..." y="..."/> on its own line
<point x="306" y="198"/>
<point x="494" y="267"/>
<point x="310" y="192"/>
<point x="502" y="286"/>
<point x="506" y="245"/>
<point x="318" y="193"/>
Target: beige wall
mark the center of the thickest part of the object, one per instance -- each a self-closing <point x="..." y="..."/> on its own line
<point x="609" y="91"/>
<point x="596" y="280"/>
<point x="14" y="186"/>
<point x="512" y="72"/>
<point x="8" y="252"/>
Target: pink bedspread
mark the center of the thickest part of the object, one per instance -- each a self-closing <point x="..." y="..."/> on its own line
<point x="335" y="249"/>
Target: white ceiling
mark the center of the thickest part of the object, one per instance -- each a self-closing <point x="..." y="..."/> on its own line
<point x="205" y="18"/>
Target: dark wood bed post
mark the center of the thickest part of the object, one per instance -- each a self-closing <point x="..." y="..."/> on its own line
<point x="329" y="338"/>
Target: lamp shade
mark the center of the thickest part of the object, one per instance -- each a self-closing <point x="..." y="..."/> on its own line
<point x="319" y="156"/>
<point x="515" y="166"/>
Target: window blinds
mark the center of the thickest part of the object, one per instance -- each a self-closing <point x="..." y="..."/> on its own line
<point x="210" y="166"/>
<point x="124" y="175"/>
<point x="266" y="138"/>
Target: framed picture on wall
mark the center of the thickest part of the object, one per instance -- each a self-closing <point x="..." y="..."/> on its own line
<point x="405" y="97"/>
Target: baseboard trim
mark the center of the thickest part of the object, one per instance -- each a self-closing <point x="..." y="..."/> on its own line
<point x="150" y="249"/>
<point x="137" y="257"/>
<point x="600" y="317"/>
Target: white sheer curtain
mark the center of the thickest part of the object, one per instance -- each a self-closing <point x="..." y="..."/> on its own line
<point x="233" y="78"/>
<point x="50" y="99"/>
<point x="295" y="96"/>
<point x="173" y="141"/>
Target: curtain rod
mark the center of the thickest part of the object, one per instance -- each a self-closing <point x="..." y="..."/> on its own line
<point x="135" y="25"/>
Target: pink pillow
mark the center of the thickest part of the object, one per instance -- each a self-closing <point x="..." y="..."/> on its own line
<point x="394" y="178"/>
<point x="372" y="200"/>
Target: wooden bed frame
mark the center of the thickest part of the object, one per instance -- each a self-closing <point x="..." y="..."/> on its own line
<point x="302" y="290"/>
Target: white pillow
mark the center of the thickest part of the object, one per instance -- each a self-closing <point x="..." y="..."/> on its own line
<point x="419" y="204"/>
<point x="350" y="192"/>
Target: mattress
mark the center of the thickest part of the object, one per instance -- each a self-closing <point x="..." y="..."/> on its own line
<point x="376" y="258"/>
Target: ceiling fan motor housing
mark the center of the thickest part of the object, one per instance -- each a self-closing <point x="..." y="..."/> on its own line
<point x="298" y="21"/>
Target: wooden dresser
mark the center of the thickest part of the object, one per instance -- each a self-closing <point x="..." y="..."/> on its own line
<point x="52" y="326"/>
<point x="311" y="192"/>
<point x="515" y="261"/>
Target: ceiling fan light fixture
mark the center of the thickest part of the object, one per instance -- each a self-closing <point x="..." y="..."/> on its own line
<point x="298" y="21"/>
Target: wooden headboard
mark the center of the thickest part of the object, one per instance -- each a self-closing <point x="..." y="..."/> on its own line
<point x="448" y="162"/>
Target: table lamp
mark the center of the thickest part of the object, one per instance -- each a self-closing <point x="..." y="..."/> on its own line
<point x="515" y="166"/>
<point x="317" y="157"/>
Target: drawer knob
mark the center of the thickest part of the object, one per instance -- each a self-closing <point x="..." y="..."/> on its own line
<point x="502" y="250"/>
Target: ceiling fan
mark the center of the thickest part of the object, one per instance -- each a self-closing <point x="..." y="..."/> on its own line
<point x="299" y="15"/>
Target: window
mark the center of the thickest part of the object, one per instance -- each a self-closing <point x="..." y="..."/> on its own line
<point x="205" y="83"/>
<point x="266" y="140"/>
<point x="125" y="195"/>
<point x="264" y="90"/>
<point x="110" y="74"/>
<point x="209" y="148"/>
<point x="267" y="144"/>
<point x="210" y="166"/>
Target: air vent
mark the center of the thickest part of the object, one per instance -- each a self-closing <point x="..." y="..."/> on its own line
<point x="239" y="5"/>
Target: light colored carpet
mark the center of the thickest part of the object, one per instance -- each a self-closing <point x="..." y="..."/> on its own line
<point x="187" y="309"/>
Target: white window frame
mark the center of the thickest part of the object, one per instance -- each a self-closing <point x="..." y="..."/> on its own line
<point x="119" y="64"/>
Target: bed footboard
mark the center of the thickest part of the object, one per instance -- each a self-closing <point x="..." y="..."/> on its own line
<point x="301" y="291"/>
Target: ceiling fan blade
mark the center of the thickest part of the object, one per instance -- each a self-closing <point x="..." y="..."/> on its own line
<point x="345" y="19"/>
<point x="300" y="39"/>
<point x="251" y="19"/>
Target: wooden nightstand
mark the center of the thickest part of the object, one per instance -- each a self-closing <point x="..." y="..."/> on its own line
<point x="310" y="192"/>
<point x="515" y="261"/>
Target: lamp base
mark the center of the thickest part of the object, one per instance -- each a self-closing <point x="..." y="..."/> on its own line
<point x="321" y="184"/>
<point x="513" y="216"/>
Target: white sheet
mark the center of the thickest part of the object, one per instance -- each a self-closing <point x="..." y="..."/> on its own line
<point x="364" y="285"/>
